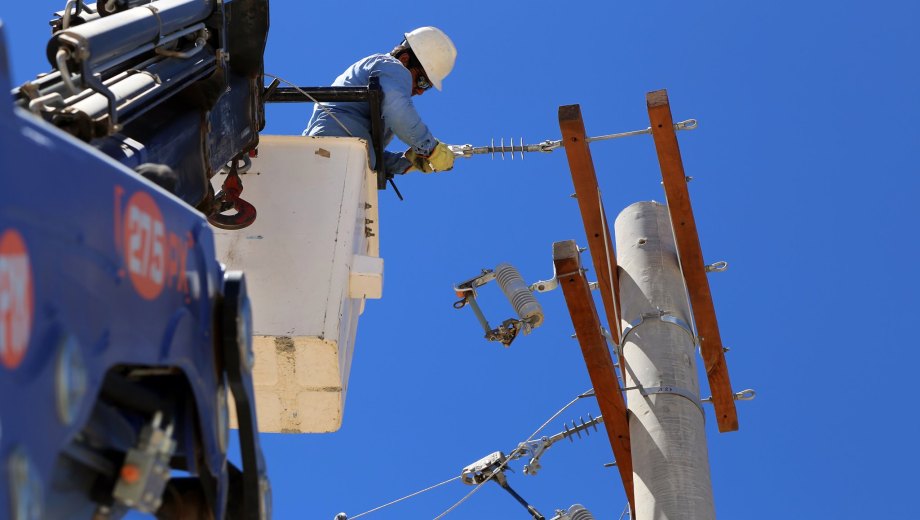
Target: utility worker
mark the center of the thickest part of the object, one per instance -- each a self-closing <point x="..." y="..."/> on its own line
<point x="423" y="59"/>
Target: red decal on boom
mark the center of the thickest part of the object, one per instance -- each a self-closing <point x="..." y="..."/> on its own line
<point x="155" y="256"/>
<point x="15" y="298"/>
<point x="145" y="245"/>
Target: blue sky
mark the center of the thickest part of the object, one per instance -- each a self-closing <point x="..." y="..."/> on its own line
<point x="805" y="182"/>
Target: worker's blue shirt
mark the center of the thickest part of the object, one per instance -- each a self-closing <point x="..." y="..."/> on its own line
<point x="399" y="114"/>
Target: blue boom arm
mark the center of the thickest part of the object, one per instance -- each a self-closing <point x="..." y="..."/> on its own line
<point x="121" y="335"/>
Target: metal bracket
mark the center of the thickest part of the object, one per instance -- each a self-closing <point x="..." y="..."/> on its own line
<point x="744" y="395"/>
<point x="492" y="467"/>
<point x="669" y="389"/>
<point x="375" y="105"/>
<point x="665" y="317"/>
<point x="469" y="286"/>
<point x="506" y="332"/>
<point x="661" y="315"/>
<point x="717" y="267"/>
<point x="483" y="469"/>
<point x="372" y="95"/>
<point x="145" y="471"/>
<point x="535" y="450"/>
<point x="542" y="286"/>
<point x="545" y="285"/>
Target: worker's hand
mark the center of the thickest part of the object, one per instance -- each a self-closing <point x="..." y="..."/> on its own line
<point x="417" y="162"/>
<point x="441" y="158"/>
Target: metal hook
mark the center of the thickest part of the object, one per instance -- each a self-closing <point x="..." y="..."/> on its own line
<point x="746" y="395"/>
<point x="229" y="198"/>
<point x="689" y="124"/>
<point x="242" y="163"/>
<point x="717" y="267"/>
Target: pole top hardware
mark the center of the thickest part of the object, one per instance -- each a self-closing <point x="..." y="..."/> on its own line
<point x="530" y="314"/>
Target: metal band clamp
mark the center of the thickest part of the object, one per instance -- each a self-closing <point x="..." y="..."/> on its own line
<point x="661" y="315"/>
<point x="670" y="389"/>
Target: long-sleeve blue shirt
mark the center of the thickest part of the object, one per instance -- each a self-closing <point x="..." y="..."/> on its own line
<point x="399" y="114"/>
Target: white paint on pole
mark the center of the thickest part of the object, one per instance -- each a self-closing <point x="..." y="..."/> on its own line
<point x="666" y="423"/>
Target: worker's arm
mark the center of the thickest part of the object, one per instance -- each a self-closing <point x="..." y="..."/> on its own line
<point x="399" y="111"/>
<point x="395" y="162"/>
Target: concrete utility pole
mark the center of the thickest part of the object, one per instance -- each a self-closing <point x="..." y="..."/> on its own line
<point x="666" y="423"/>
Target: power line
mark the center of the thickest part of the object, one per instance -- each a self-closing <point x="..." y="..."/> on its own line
<point x="403" y="498"/>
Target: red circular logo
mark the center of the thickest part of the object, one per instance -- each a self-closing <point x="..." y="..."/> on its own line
<point x="15" y="298"/>
<point x="145" y="245"/>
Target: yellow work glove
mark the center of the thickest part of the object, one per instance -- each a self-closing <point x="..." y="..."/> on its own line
<point x="441" y="158"/>
<point x="417" y="162"/>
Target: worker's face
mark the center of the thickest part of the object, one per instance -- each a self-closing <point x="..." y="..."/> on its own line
<point x="420" y="82"/>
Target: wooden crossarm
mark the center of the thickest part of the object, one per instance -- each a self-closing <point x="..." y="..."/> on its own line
<point x="592" y="212"/>
<point x="691" y="258"/>
<point x="594" y="348"/>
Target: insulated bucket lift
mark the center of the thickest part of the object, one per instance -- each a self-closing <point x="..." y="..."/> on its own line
<point x="311" y="259"/>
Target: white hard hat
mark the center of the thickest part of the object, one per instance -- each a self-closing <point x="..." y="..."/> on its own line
<point x="434" y="51"/>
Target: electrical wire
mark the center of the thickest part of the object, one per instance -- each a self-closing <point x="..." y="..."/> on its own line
<point x="608" y="253"/>
<point x="588" y="393"/>
<point x="317" y="103"/>
<point x="403" y="498"/>
<point x="680" y="267"/>
<point x="618" y="326"/>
